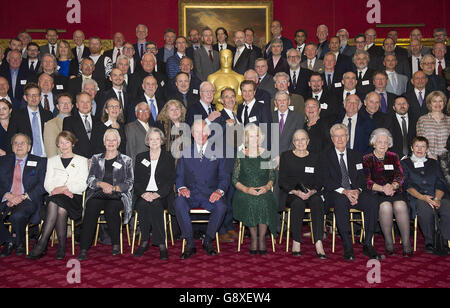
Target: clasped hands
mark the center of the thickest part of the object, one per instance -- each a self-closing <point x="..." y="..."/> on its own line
<point x="431" y="201"/>
<point x="150" y="196"/>
<point x="352" y="196"/>
<point x="61" y="190"/>
<point x="184" y="192"/>
<point x="14" y="200"/>
<point x="256" y="191"/>
<point x="108" y="188"/>
<point x="302" y="195"/>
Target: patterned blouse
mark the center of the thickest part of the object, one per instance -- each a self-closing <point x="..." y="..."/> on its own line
<point x="436" y="133"/>
<point x="382" y="172"/>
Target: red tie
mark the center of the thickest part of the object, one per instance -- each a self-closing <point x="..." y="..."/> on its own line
<point x="17" y="181"/>
<point x="211" y="56"/>
<point x="118" y="52"/>
<point x="439" y="68"/>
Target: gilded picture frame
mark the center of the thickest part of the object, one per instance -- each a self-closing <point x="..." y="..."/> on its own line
<point x="232" y="15"/>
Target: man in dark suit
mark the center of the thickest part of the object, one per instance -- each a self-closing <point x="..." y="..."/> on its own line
<point x="332" y="78"/>
<point x="22" y="188"/>
<point x="194" y="41"/>
<point x="343" y="62"/>
<point x="52" y="39"/>
<point x="222" y="38"/>
<point x="148" y="69"/>
<point x="117" y="50"/>
<point x="265" y="80"/>
<point x="400" y="53"/>
<point x="346" y="187"/>
<point x="87" y="68"/>
<point x="402" y="127"/>
<point x="154" y="98"/>
<point x="17" y="77"/>
<point x="252" y="111"/>
<point x="32" y="62"/>
<point x="346" y="88"/>
<point x="118" y="92"/>
<point x="415" y="56"/>
<point x="299" y="77"/>
<point x="49" y="65"/>
<point x="249" y="37"/>
<point x="243" y="58"/>
<point x="296" y="101"/>
<point x="80" y="51"/>
<point x="141" y="34"/>
<point x="87" y="129"/>
<point x="380" y="80"/>
<point x="30" y="120"/>
<point x="345" y="49"/>
<point x="276" y="62"/>
<point x="276" y="28"/>
<point x="364" y="74"/>
<point x="329" y="107"/>
<point x="439" y="51"/>
<point x="417" y="94"/>
<point x="372" y="112"/>
<point x="206" y="59"/>
<point x="169" y="49"/>
<point x="203" y="108"/>
<point x="202" y="180"/>
<point x="183" y="93"/>
<point x="300" y="42"/>
<point x="261" y="94"/>
<point x="373" y="50"/>
<point x="322" y="37"/>
<point x="48" y="95"/>
<point x="137" y="130"/>
<point x="359" y="126"/>
<point x="435" y="82"/>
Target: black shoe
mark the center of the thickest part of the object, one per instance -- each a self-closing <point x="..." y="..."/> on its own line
<point x="407" y="254"/>
<point x="263" y="252"/>
<point x="20" y="250"/>
<point x="209" y="250"/>
<point x="349" y="255"/>
<point x="321" y="256"/>
<point x="140" y="251"/>
<point x="115" y="250"/>
<point x="61" y="253"/>
<point x="188" y="252"/>
<point x="296" y="253"/>
<point x="83" y="255"/>
<point x="7" y="250"/>
<point x="253" y="252"/>
<point x="429" y="248"/>
<point x="36" y="253"/>
<point x="371" y="253"/>
<point x="390" y="252"/>
<point x="164" y="254"/>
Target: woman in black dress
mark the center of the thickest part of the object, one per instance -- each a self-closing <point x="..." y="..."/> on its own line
<point x="5" y="114"/>
<point x="301" y="183"/>
<point x="113" y="117"/>
<point x="318" y="128"/>
<point x="65" y="182"/>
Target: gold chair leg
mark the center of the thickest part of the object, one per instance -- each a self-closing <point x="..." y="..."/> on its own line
<point x="352" y="228"/>
<point x="134" y="232"/>
<point x="282" y="226"/>
<point x="217" y="242"/>
<point x="165" y="228"/>
<point x="170" y="228"/>
<point x="363" y="228"/>
<point x="27" y="240"/>
<point x="72" y="229"/>
<point x="96" y="232"/>
<point x="273" y="242"/>
<point x="182" y="246"/>
<point x="312" y="231"/>
<point x="288" y="230"/>
<point x="333" y="234"/>
<point x="127" y="226"/>
<point x="121" y="234"/>
<point x="239" y="236"/>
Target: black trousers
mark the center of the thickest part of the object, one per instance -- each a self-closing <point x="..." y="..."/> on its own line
<point x="20" y="216"/>
<point x="151" y="217"/>
<point x="298" y="206"/>
<point x="366" y="203"/>
<point x="426" y="219"/>
<point x="112" y="210"/>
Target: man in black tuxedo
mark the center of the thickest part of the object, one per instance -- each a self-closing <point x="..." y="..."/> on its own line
<point x="417" y="94"/>
<point x="364" y="74"/>
<point x="346" y="187"/>
<point x="17" y="77"/>
<point x="276" y="28"/>
<point x="299" y="77"/>
<point x="261" y="94"/>
<point x="118" y="92"/>
<point x="249" y="36"/>
<point x="117" y="50"/>
<point x="300" y="42"/>
<point x="148" y="69"/>
<point x="243" y="58"/>
<point x="87" y="68"/>
<point x="329" y="107"/>
<point x="402" y="127"/>
<point x="154" y="98"/>
<point x="80" y="51"/>
<point x="373" y="50"/>
<point x="22" y="188"/>
<point x="343" y="62"/>
<point x="183" y="93"/>
<point x="32" y="62"/>
<point x="30" y="120"/>
<point x="332" y="78"/>
<point x="87" y="129"/>
<point x="203" y="108"/>
<point x="141" y="34"/>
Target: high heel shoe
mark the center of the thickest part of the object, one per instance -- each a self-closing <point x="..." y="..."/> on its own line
<point x="321" y="256"/>
<point x="61" y="253"/>
<point x="37" y="253"/>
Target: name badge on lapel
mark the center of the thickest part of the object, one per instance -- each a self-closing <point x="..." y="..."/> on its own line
<point x="419" y="164"/>
<point x="252" y="119"/>
<point x="59" y="87"/>
<point x="145" y="162"/>
<point x="338" y="85"/>
<point x="324" y="106"/>
<point x="195" y="91"/>
<point x="365" y="82"/>
<point x="117" y="165"/>
<point x="31" y="163"/>
<point x="388" y="167"/>
<point x="108" y="123"/>
<point x="359" y="166"/>
<point x="309" y="169"/>
<point x="23" y="82"/>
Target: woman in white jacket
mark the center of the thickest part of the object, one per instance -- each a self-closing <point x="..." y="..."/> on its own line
<point x="65" y="182"/>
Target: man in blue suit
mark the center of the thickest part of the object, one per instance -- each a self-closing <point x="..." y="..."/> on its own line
<point x="201" y="181"/>
<point x="21" y="190"/>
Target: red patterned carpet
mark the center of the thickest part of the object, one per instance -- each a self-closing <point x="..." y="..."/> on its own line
<point x="229" y="269"/>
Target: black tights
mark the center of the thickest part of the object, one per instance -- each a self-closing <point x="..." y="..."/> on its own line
<point x="56" y="218"/>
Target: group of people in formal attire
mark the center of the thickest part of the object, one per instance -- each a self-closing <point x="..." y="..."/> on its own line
<point x="134" y="131"/>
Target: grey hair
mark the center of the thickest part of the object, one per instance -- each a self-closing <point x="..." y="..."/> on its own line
<point x="381" y="132"/>
<point x="141" y="103"/>
<point x="358" y="52"/>
<point x="277" y="41"/>
<point x="337" y="126"/>
<point x="88" y="82"/>
<point x="123" y="57"/>
<point x="112" y="131"/>
<point x="280" y="74"/>
<point x="280" y="93"/>
<point x="154" y="130"/>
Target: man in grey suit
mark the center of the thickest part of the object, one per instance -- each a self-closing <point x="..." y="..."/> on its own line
<point x="311" y="62"/>
<point x="137" y="130"/>
<point x="265" y="80"/>
<point x="296" y="101"/>
<point x="397" y="82"/>
<point x="52" y="38"/>
<point x="206" y="59"/>
<point x="345" y="49"/>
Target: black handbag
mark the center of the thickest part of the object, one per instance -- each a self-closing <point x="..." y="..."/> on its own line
<point x="302" y="188"/>
<point x="439" y="244"/>
<point x="99" y="194"/>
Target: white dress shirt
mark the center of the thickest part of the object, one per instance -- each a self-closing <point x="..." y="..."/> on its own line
<point x="354" y="119"/>
<point x="250" y="107"/>
<point x="151" y="186"/>
<point x="341" y="189"/>
<point x="399" y="119"/>
<point x="344" y="93"/>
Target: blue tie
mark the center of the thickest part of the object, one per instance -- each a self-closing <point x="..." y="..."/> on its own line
<point x="35" y="127"/>
<point x="153" y="109"/>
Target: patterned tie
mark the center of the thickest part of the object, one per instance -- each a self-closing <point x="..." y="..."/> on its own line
<point x="17" y="180"/>
<point x="420" y="98"/>
<point x="281" y="123"/>
<point x="153" y="109"/>
<point x="46" y="103"/>
<point x="310" y="67"/>
<point x="87" y="125"/>
<point x="118" y="53"/>
<point x="439" y="68"/>
<point x="200" y="154"/>
<point x="405" y="136"/>
<point x="121" y="99"/>
<point x="345" y="177"/>
<point x="349" y="126"/>
<point x="36" y="129"/>
<point x="246" y="115"/>
<point x="211" y="56"/>
<point x="294" y="79"/>
<point x="383" y="103"/>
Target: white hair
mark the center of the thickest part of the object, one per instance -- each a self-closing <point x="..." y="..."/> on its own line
<point x="381" y="132"/>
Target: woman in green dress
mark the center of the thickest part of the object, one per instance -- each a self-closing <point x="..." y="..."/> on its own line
<point x="254" y="203"/>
